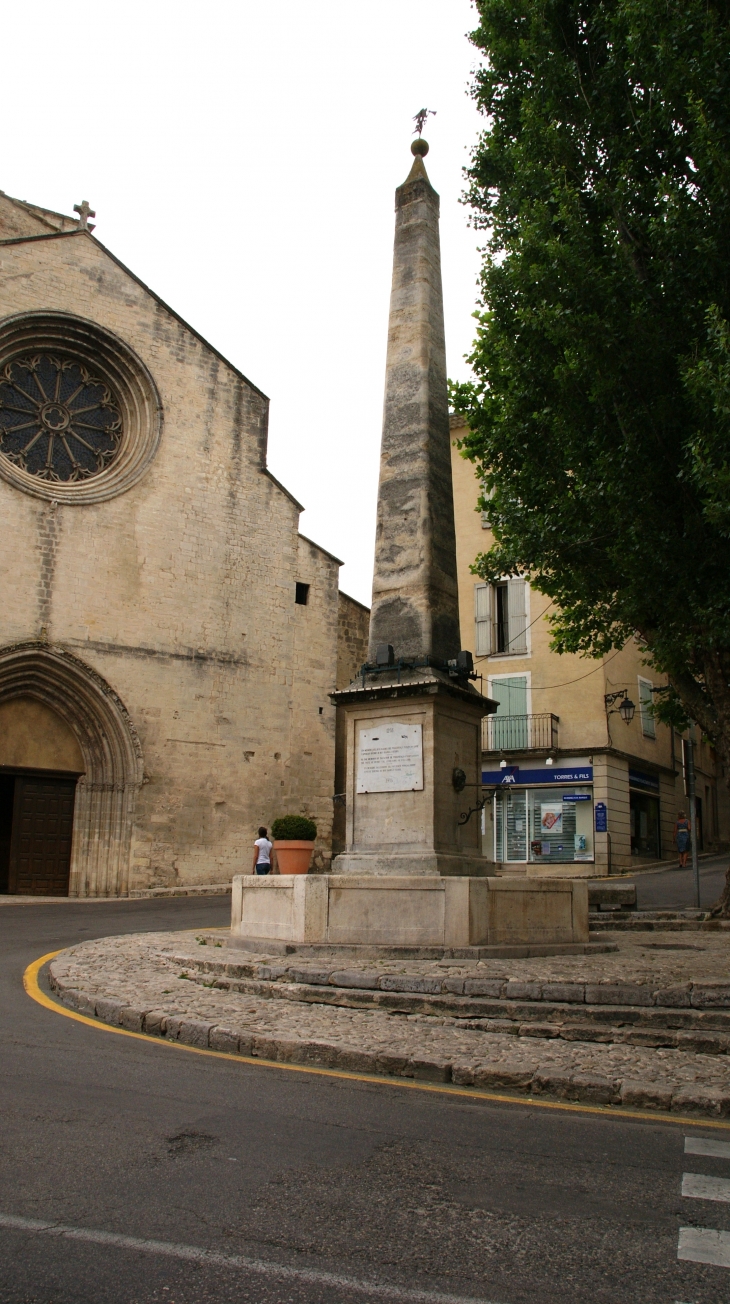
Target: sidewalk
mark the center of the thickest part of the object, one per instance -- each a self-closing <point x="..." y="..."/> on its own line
<point x="647" y="1026"/>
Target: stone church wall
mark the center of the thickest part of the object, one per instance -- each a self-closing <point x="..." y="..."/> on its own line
<point x="178" y="596"/>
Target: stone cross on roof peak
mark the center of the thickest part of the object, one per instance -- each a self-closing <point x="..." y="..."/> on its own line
<point x="85" y="211"/>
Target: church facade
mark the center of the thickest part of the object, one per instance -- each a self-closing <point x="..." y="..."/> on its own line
<point x="168" y="638"/>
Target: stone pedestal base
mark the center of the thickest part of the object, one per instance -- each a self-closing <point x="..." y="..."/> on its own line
<point x="429" y="821"/>
<point x="408" y="911"/>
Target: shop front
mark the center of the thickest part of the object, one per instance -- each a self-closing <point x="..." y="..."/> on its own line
<point x="542" y="817"/>
<point x="644" y="815"/>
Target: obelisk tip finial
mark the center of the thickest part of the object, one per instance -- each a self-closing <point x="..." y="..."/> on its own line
<point x="419" y="147"/>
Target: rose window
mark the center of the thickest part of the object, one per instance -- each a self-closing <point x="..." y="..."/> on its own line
<point x="58" y="421"/>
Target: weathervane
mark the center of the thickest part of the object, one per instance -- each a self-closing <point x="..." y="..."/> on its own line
<point x="420" y="118"/>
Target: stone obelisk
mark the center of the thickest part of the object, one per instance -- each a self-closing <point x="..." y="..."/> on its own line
<point x="413" y="718"/>
<point x="415" y="605"/>
<point x="412" y="879"/>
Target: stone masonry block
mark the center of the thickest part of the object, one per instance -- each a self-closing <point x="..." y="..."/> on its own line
<point x="565" y="993"/>
<point x="264" y="1047"/>
<point x="647" y="1037"/>
<point x="673" y="996"/>
<point x="192" y="1032"/>
<point x="354" y="978"/>
<point x="592" y="1087"/>
<point x="712" y="997"/>
<point x="618" y="994"/>
<point x="463" y="1074"/>
<point x="646" y="1095"/>
<point x="404" y="983"/>
<point x="508" y="1076"/>
<point x="539" y="1030"/>
<point x="586" y="1032"/>
<point x="132" y="1018"/>
<point x="350" y="1060"/>
<point x="155" y="1023"/>
<point x="551" y="1081"/>
<point x="107" y="1010"/>
<point x="703" y="1043"/>
<point x="516" y="991"/>
<point x="79" y="1001"/>
<point x="431" y="1070"/>
<point x="225" y="1039"/>
<point x="483" y="986"/>
<point x="697" y="1099"/>
<point x="395" y="1065"/>
<point x="316" y="976"/>
<point x="453" y="985"/>
<point x="504" y="1025"/>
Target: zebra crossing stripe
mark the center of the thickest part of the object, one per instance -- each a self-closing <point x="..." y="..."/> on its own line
<point x="705" y="1145"/>
<point x="701" y="1245"/>
<point x="696" y="1186"/>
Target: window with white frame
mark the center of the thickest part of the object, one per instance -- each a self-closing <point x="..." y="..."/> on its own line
<point x="648" y="723"/>
<point x="500" y="617"/>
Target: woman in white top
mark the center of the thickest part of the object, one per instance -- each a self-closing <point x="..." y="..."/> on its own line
<point x="262" y="853"/>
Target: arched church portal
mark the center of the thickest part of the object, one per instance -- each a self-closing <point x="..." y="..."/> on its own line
<point x="70" y="769"/>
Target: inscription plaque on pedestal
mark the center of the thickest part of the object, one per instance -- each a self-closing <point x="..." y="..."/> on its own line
<point x="390" y="759"/>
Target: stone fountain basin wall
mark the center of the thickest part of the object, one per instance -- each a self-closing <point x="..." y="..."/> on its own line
<point x="346" y="910"/>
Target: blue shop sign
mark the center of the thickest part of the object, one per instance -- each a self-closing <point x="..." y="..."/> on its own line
<point x="647" y="782"/>
<point x="576" y="796"/>
<point x="513" y="774"/>
<point x="601" y="814"/>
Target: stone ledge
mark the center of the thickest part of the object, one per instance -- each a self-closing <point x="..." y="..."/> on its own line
<point x="208" y="889"/>
<point x="308" y="950"/>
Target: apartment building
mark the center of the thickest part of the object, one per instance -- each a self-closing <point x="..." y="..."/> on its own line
<point x="575" y="784"/>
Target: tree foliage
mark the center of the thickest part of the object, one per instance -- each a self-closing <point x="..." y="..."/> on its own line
<point x="599" y="416"/>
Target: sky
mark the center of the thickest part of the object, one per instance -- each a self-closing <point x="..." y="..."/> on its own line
<point x="242" y="158"/>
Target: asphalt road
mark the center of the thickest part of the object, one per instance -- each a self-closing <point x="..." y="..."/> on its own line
<point x="670" y="889"/>
<point x="294" y="1176"/>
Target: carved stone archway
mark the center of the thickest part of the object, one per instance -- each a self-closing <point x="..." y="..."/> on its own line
<point x="106" y="794"/>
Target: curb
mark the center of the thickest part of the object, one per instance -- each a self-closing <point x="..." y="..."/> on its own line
<point x="592" y="1089"/>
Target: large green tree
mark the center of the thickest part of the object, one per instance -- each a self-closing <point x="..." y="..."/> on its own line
<point x="600" y="410"/>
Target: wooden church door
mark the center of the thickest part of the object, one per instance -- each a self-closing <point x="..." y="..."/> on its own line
<point x="40" y="841"/>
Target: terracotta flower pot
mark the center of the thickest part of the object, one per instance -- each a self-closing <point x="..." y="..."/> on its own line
<point x="293" y="857"/>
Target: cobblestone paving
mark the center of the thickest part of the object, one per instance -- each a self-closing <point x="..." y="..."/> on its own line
<point x="140" y="982"/>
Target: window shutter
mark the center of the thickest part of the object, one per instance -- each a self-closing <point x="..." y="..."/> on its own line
<point x="482" y="620"/>
<point x="648" y="723"/>
<point x="516" y="615"/>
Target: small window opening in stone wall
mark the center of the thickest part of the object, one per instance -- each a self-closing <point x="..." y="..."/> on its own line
<point x="302" y="594"/>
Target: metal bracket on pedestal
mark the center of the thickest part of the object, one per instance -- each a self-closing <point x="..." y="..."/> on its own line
<point x="467" y="814"/>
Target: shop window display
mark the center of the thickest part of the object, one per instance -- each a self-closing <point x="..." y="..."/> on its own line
<point x="544" y="825"/>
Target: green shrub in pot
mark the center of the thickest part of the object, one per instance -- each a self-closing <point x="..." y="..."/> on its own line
<point x="294" y="828"/>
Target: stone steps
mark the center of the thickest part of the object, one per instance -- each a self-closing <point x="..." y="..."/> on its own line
<point x="664" y="921"/>
<point x="692" y="1017"/>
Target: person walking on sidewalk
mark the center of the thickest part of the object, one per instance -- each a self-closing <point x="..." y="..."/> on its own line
<point x="262" y="853"/>
<point x="682" y="831"/>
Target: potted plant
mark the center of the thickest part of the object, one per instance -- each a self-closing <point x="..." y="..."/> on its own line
<point x="293" y="843"/>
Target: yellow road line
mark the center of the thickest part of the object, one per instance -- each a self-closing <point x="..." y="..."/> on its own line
<point x="32" y="987"/>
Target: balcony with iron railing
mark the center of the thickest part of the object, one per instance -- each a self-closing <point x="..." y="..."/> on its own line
<point x="520" y="733"/>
